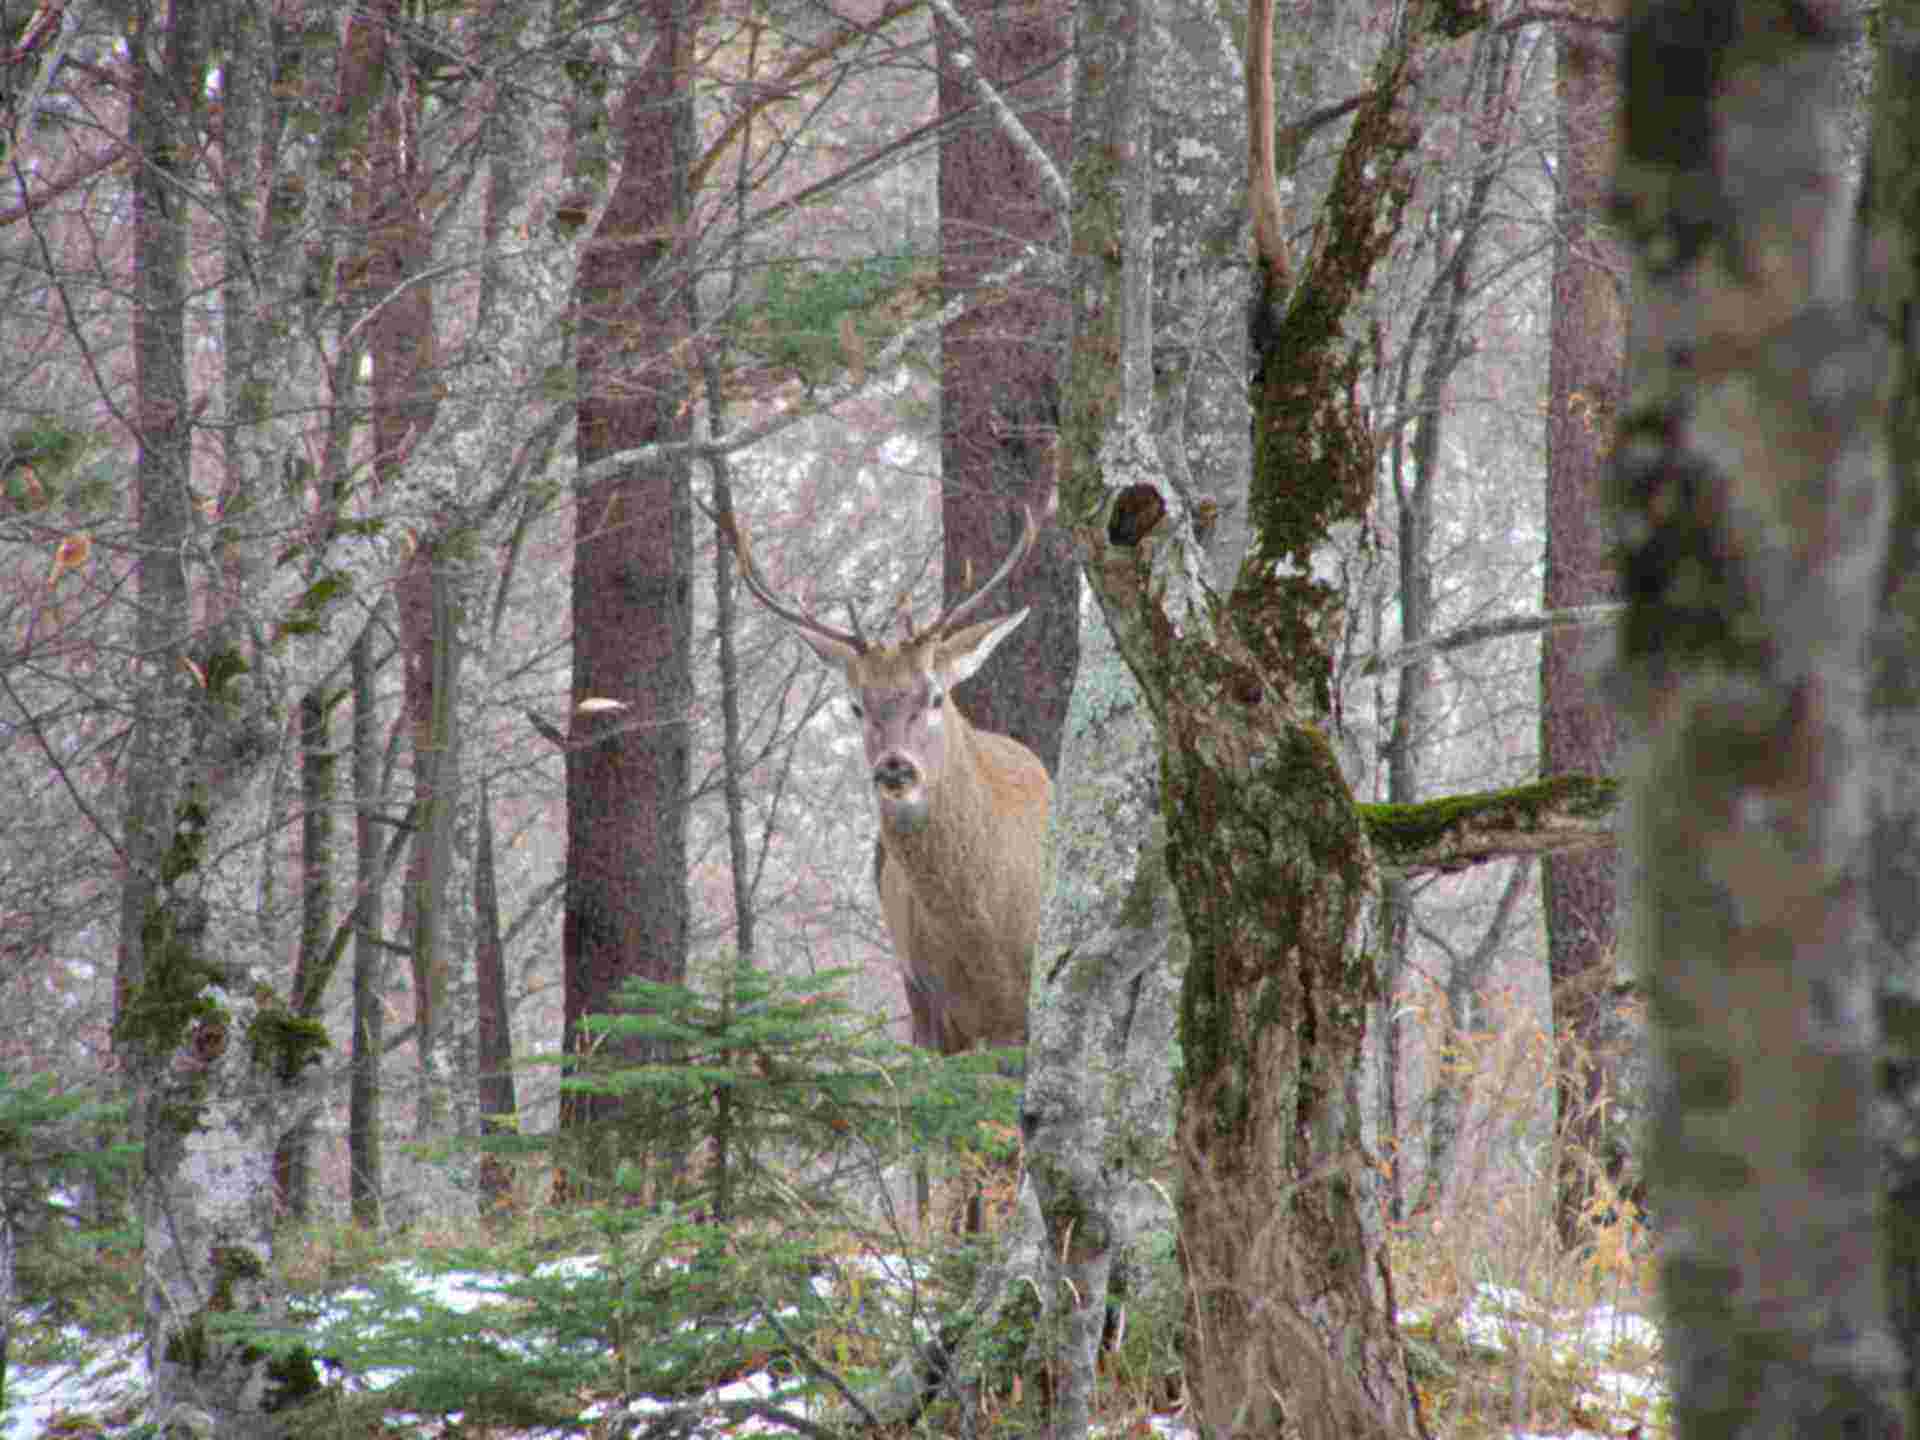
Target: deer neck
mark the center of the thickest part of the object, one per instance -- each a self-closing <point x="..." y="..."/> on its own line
<point x="945" y="845"/>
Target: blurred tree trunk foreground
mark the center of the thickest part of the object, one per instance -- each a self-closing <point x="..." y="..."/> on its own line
<point x="1751" y="480"/>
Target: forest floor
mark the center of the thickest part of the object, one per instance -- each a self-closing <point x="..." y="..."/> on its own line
<point x="1490" y="1361"/>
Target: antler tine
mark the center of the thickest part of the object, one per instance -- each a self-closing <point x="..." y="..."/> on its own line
<point x="853" y="619"/>
<point x="750" y="576"/>
<point x="964" y="608"/>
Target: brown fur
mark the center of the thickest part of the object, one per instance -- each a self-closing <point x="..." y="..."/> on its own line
<point x="962" y="896"/>
<point x="963" y="814"/>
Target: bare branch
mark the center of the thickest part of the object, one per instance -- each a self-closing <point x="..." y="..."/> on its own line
<point x="1572" y="617"/>
<point x="1554" y="15"/>
<point x="965" y="62"/>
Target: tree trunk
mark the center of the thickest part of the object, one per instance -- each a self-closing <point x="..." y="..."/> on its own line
<point x="999" y="382"/>
<point x="1096" y="1113"/>
<point x="1751" y="473"/>
<point x="1579" y="733"/>
<point x="292" y="1160"/>
<point x="494" y="1028"/>
<point x="1892" y="874"/>
<point x="1264" y="846"/>
<point x="1096" y="1116"/>
<point x="369" y="958"/>
<point x="200" y="1050"/>
<point x="627" y="768"/>
<point x="403" y="347"/>
<point x="1434" y="353"/>
<point x="1107" y="958"/>
<point x="1447" y="1095"/>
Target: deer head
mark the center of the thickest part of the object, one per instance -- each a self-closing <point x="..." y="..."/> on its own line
<point x="902" y="692"/>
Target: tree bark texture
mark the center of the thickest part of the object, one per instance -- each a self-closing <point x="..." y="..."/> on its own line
<point x="1095" y="1115"/>
<point x="369" y="959"/>
<point x="313" y="967"/>
<point x="403" y="346"/>
<point x="493" y="1015"/>
<point x="627" y="768"/>
<point x="1892" y="871"/>
<point x="1579" y="730"/>
<point x="1096" y="1120"/>
<point x="1194" y="208"/>
<point x="210" y="1060"/>
<point x="999" y="381"/>
<point x="1751" y="482"/>
<point x="1265" y="848"/>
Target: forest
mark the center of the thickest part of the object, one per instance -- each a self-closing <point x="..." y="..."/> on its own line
<point x="1339" y="855"/>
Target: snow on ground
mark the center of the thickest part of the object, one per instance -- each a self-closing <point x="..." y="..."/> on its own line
<point x="109" y="1383"/>
<point x="1501" y="1319"/>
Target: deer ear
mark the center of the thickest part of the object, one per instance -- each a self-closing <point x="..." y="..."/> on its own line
<point x="967" y="650"/>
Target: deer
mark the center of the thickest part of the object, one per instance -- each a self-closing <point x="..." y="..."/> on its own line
<point x="963" y="812"/>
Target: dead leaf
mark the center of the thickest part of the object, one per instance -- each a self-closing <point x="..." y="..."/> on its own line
<point x="71" y="555"/>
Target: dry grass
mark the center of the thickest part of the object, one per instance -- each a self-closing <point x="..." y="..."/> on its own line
<point x="1510" y="1330"/>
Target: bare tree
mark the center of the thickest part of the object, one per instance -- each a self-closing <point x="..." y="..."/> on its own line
<point x="628" y="763"/>
<point x="1579" y="732"/>
<point x="999" y="388"/>
<point x="201" y="1103"/>
<point x="1288" y="1323"/>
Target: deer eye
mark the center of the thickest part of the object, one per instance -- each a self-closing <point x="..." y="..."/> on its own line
<point x="854" y="708"/>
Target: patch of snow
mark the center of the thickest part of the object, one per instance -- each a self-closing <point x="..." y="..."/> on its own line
<point x="106" y="1381"/>
<point x="113" y="1382"/>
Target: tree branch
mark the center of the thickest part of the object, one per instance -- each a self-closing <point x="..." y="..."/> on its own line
<point x="1553" y="15"/>
<point x="1549" y="817"/>
<point x="1572" y="617"/>
<point x="877" y="375"/>
<point x="964" y="61"/>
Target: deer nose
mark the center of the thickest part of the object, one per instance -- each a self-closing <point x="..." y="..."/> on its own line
<point x="895" y="772"/>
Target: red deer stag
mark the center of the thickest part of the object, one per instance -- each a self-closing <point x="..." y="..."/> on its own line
<point x="963" y="814"/>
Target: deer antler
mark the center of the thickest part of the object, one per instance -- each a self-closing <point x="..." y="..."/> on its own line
<point x="952" y="617"/>
<point x="750" y="575"/>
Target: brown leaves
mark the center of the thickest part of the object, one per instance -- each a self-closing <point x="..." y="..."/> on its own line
<point x="72" y="553"/>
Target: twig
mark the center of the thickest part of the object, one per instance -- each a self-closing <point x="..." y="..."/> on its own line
<point x="832" y="1377"/>
<point x="1573" y="617"/>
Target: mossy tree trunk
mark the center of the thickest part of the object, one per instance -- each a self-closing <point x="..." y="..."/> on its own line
<point x="210" y="1058"/>
<point x="1266" y="851"/>
<point x="1751" y="478"/>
